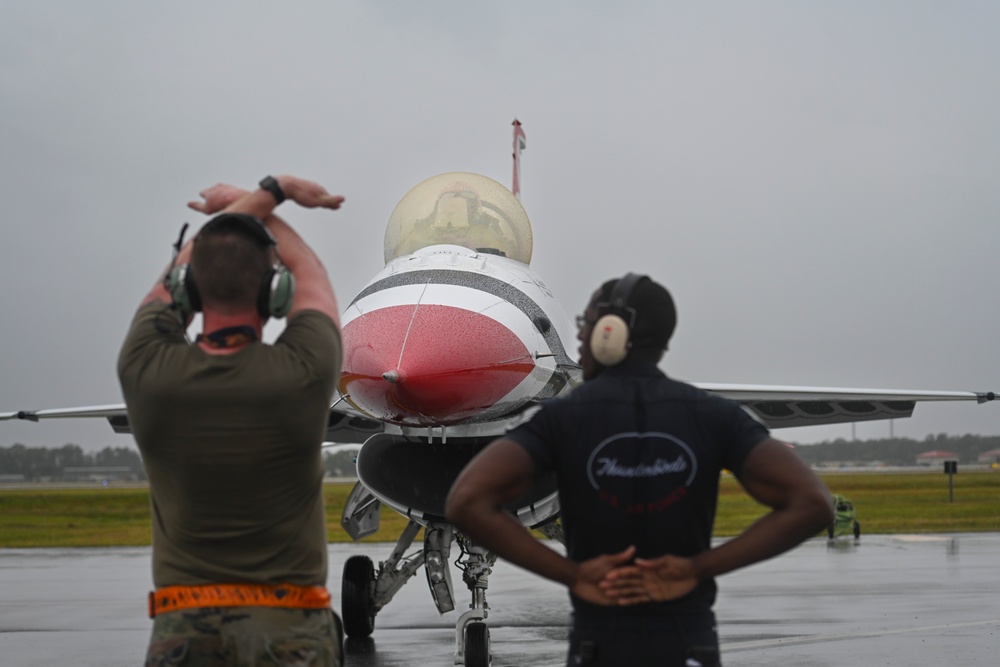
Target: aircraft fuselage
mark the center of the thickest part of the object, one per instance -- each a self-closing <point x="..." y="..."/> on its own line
<point x="457" y="338"/>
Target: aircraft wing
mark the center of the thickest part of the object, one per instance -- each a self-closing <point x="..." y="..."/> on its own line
<point x="776" y="406"/>
<point x="115" y="414"/>
<point x="784" y="407"/>
<point x="345" y="425"/>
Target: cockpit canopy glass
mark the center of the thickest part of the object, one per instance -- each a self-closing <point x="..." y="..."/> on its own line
<point x="460" y="208"/>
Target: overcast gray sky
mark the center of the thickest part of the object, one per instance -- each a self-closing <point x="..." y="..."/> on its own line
<point x="815" y="182"/>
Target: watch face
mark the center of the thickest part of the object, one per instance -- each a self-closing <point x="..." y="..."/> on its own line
<point x="270" y="183"/>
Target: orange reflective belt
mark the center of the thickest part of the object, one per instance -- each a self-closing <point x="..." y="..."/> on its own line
<point x="174" y="598"/>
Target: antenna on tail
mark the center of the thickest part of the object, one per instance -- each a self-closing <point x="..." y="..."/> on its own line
<point x="520" y="143"/>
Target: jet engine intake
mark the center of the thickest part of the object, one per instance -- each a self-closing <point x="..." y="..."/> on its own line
<point x="414" y="477"/>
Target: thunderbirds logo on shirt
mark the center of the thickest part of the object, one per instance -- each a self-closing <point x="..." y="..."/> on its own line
<point x="641" y="472"/>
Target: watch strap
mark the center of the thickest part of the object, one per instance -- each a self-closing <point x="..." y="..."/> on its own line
<point x="270" y="183"/>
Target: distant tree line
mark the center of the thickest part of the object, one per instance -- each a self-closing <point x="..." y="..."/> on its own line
<point x="67" y="462"/>
<point x="896" y="451"/>
<point x="70" y="463"/>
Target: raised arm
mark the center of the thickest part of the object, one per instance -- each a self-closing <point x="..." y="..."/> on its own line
<point x="313" y="290"/>
<point x="158" y="293"/>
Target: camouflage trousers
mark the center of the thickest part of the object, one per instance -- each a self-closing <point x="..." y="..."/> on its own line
<point x="246" y="637"/>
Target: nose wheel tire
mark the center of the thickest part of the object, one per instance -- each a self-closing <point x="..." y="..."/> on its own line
<point x="477" y="645"/>
<point x="358" y="597"/>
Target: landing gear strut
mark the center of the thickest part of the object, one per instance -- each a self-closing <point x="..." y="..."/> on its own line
<point x="472" y="636"/>
<point x="364" y="593"/>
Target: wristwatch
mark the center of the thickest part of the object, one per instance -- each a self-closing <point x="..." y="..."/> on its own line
<point x="270" y="183"/>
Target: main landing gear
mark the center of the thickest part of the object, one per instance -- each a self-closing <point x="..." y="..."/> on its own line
<point x="364" y="591"/>
<point x="358" y="597"/>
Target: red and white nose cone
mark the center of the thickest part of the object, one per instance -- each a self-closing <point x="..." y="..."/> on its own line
<point x="430" y="365"/>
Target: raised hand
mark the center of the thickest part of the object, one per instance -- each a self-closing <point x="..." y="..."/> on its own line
<point x="308" y="194"/>
<point x="216" y="198"/>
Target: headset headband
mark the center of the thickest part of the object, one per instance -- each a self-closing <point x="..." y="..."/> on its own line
<point x="618" y="301"/>
<point x="250" y="225"/>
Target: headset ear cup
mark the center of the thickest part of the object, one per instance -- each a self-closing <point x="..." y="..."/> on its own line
<point x="183" y="291"/>
<point x="282" y="292"/>
<point x="276" y="293"/>
<point x="609" y="340"/>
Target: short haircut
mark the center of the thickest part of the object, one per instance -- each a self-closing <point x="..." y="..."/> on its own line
<point x="655" y="317"/>
<point x="229" y="264"/>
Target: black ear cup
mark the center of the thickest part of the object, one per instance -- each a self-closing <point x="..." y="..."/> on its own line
<point x="610" y="338"/>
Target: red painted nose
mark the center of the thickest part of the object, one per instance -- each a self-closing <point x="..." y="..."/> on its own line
<point x="433" y="366"/>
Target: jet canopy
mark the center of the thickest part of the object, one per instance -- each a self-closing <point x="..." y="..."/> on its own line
<point x="459" y="208"/>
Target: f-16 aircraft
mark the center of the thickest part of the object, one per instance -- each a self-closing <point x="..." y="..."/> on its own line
<point x="450" y="344"/>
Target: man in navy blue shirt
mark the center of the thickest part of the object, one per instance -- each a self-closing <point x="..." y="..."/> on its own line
<point x="638" y="458"/>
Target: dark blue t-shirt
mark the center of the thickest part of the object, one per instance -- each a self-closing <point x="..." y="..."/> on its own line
<point x="638" y="458"/>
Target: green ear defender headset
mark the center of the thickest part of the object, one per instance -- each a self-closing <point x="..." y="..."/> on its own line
<point x="277" y="287"/>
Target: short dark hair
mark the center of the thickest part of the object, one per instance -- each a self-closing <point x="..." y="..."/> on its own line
<point x="229" y="263"/>
<point x="655" y="316"/>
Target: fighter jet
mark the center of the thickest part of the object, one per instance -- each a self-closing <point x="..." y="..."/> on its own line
<point x="452" y="343"/>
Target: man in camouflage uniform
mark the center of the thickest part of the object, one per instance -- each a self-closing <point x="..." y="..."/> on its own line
<point x="230" y="432"/>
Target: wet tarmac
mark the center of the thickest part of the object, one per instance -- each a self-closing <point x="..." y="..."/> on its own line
<point x="887" y="600"/>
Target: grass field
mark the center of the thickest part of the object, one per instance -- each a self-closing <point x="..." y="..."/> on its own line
<point x="886" y="503"/>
